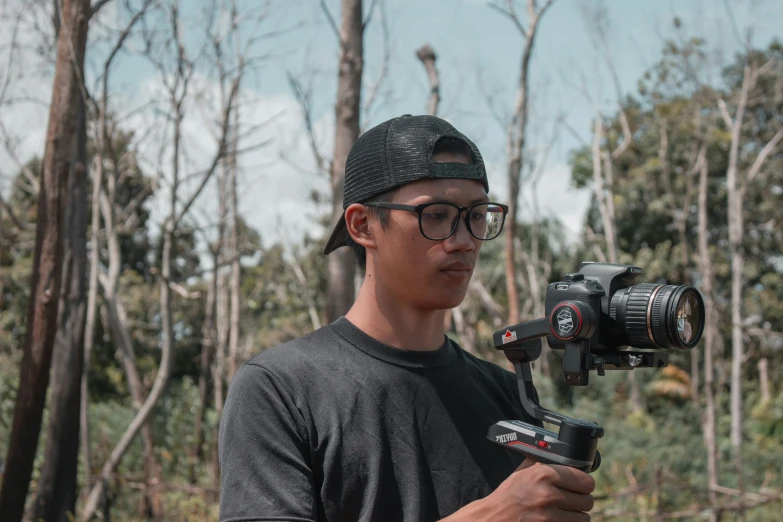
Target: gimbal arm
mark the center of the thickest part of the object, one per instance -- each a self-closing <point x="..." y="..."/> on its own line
<point x="522" y="344"/>
<point x="575" y="443"/>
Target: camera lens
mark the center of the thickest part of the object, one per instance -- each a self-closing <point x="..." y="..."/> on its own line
<point x="688" y="317"/>
<point x="659" y="316"/>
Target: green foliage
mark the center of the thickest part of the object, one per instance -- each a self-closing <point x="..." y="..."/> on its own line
<point x="648" y="197"/>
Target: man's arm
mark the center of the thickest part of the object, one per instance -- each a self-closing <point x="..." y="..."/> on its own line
<point x="264" y="453"/>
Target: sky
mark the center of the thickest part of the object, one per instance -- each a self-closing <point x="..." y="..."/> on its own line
<point x="478" y="52"/>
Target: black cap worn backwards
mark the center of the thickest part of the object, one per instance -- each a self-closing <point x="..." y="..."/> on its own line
<point x="395" y="153"/>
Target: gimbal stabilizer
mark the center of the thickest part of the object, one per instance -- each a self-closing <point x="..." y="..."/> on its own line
<point x="593" y="315"/>
<point x="575" y="443"/>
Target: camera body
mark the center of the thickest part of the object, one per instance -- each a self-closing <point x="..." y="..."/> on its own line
<point x="593" y="315"/>
<point x="642" y="315"/>
<point x="593" y="284"/>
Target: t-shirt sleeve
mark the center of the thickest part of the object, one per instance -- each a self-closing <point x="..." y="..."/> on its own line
<point x="264" y="453"/>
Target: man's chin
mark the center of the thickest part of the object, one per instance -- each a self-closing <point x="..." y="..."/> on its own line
<point x="447" y="302"/>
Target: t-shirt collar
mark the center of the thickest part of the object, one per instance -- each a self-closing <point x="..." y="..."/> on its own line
<point x="391" y="354"/>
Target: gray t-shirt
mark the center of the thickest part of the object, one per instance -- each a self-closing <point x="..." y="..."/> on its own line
<point x="336" y="426"/>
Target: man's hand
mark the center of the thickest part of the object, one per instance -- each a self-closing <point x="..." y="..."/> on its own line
<point x="535" y="492"/>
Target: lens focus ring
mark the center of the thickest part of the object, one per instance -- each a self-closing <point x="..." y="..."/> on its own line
<point x="636" y="325"/>
<point x="658" y="316"/>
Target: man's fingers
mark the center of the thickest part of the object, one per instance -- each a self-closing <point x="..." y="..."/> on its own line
<point x="571" y="516"/>
<point x="571" y="501"/>
<point x="572" y="479"/>
<point x="529" y="461"/>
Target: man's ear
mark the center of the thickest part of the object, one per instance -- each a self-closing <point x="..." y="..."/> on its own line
<point x="358" y="223"/>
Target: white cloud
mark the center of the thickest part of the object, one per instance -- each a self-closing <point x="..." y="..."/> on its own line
<point x="275" y="181"/>
<point x="25" y="87"/>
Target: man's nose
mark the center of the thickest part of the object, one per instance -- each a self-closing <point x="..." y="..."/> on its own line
<point x="461" y="239"/>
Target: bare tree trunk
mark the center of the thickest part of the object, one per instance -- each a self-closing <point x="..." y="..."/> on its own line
<point x="342" y="263"/>
<point x="737" y="188"/>
<point x="47" y="264"/>
<point x="208" y="342"/>
<point x="710" y="333"/>
<point x="602" y="195"/>
<point x="89" y="334"/>
<point x="736" y="226"/>
<point x="306" y="293"/>
<point x="219" y="369"/>
<point x="118" y="322"/>
<point x="233" y="340"/>
<point x="222" y="309"/>
<point x="92" y="297"/>
<point x="515" y="145"/>
<point x="428" y="57"/>
<point x="161" y="378"/>
<point x="736" y="234"/>
<point x="603" y="181"/>
<point x="680" y="218"/>
<point x="56" y="495"/>
<point x="766" y="395"/>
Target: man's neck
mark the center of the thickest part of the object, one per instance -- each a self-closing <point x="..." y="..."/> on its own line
<point x="390" y="323"/>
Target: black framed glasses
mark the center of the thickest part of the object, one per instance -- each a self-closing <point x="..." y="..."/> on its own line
<point x="439" y="220"/>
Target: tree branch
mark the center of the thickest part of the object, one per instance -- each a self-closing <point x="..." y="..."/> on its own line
<point x="370" y="12"/>
<point x="94" y="8"/>
<point x="427" y="56"/>
<point x="332" y="23"/>
<point x="218" y="155"/>
<point x="761" y="158"/>
<point x="511" y="14"/>
<point x="302" y="95"/>
<point x="373" y="91"/>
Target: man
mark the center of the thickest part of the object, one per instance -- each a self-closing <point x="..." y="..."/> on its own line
<point x="379" y="416"/>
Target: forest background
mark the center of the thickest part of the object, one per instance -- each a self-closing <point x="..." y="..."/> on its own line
<point x="169" y="171"/>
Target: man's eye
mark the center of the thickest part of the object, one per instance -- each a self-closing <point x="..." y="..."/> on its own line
<point x="478" y="216"/>
<point x="434" y="216"/>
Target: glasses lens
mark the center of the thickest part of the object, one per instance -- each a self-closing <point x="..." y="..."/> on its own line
<point x="437" y="221"/>
<point x="486" y="221"/>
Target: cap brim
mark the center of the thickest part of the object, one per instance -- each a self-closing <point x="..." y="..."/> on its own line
<point x="340" y="237"/>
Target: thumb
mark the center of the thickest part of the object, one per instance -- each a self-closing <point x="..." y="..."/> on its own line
<point x="528" y="462"/>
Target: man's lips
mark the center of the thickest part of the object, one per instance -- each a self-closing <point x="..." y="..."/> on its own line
<point x="458" y="266"/>
<point x="457" y="269"/>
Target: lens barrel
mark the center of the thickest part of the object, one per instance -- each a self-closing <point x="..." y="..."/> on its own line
<point x="659" y="316"/>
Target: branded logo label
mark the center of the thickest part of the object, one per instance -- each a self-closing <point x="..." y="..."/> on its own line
<point x="509" y="336"/>
<point x="565" y="322"/>
<point x="508" y="437"/>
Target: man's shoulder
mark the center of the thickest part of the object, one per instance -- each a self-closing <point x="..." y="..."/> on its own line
<point x="298" y="353"/>
<point x="488" y="367"/>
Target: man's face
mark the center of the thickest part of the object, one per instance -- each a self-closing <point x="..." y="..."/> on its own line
<point x="423" y="273"/>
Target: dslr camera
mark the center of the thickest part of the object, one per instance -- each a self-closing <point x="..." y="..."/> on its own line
<point x="593" y="315"/>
